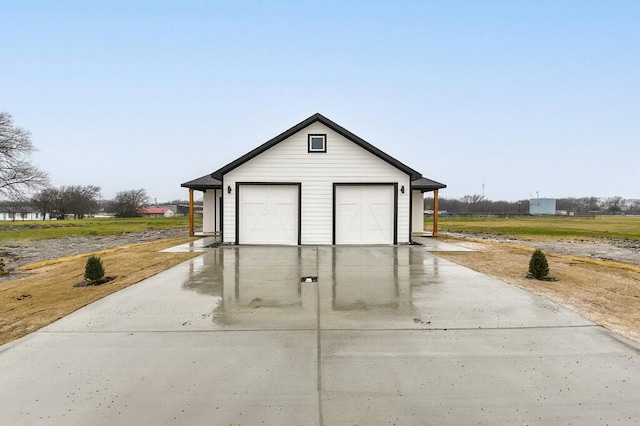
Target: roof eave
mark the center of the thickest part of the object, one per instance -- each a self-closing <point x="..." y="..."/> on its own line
<point x="202" y="183"/>
<point x="427" y="185"/>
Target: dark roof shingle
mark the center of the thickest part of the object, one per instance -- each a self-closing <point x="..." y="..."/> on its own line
<point x="424" y="184"/>
<point x="202" y="183"/>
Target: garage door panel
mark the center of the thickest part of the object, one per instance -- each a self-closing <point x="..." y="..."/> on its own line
<point x="365" y="214"/>
<point x="268" y="214"/>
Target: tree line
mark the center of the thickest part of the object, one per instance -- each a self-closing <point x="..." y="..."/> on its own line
<point x="585" y="206"/>
<point x="75" y="201"/>
<point x="18" y="176"/>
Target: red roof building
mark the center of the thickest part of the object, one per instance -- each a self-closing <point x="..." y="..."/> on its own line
<point x="156" y="212"/>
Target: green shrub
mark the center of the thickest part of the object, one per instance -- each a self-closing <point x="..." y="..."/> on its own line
<point x="538" y="265"/>
<point x="94" y="271"/>
<point x="2" y="266"/>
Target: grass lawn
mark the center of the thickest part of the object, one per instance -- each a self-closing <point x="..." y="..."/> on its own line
<point x="598" y="227"/>
<point x="40" y="229"/>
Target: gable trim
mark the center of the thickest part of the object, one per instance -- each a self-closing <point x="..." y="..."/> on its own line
<point x="218" y="174"/>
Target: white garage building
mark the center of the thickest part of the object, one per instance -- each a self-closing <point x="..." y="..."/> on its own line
<point x="316" y="183"/>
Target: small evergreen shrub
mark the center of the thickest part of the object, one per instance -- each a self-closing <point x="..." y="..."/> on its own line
<point x="538" y="265"/>
<point x="2" y="266"/>
<point x="94" y="271"/>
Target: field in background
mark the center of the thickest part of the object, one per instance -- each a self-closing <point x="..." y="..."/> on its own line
<point x="40" y="229"/>
<point x="598" y="227"/>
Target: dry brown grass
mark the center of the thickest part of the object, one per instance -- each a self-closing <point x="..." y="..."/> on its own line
<point x="48" y="293"/>
<point x="606" y="293"/>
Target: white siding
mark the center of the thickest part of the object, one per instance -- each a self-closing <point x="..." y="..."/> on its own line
<point x="417" y="217"/>
<point x="217" y="195"/>
<point x="208" y="211"/>
<point x="344" y="162"/>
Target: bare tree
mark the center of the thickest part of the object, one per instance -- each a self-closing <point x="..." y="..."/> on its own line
<point x="473" y="199"/>
<point x="128" y="203"/>
<point x="614" y="205"/>
<point x="17" y="174"/>
<point x="474" y="203"/>
<point x="634" y="206"/>
<point x="77" y="200"/>
<point x="45" y="201"/>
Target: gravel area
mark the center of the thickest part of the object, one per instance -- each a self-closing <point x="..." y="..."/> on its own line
<point x="20" y="253"/>
<point x="617" y="250"/>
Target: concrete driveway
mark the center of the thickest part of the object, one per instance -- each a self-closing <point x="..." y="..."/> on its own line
<point x="386" y="335"/>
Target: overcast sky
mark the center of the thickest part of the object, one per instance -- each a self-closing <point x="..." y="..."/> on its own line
<point x="524" y="97"/>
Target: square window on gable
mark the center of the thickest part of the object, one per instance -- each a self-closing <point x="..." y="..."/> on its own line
<point x="317" y="143"/>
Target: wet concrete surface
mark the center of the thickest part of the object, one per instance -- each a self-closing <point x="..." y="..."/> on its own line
<point x="387" y="335"/>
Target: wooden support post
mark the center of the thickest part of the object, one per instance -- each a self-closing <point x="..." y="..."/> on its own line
<point x="435" y="213"/>
<point x="191" y="231"/>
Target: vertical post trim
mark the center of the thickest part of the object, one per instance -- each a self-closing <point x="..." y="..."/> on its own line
<point x="435" y="213"/>
<point x="191" y="230"/>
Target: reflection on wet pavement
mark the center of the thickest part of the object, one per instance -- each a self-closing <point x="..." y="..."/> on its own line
<point x="255" y="286"/>
<point x="401" y="287"/>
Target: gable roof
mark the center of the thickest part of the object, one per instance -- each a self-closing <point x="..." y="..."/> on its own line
<point x="298" y="127"/>
<point x="202" y="183"/>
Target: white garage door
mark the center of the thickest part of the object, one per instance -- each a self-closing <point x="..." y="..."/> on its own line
<point x="268" y="214"/>
<point x="365" y="214"/>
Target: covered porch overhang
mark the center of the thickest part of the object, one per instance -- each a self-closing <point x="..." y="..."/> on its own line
<point x="419" y="187"/>
<point x="212" y="189"/>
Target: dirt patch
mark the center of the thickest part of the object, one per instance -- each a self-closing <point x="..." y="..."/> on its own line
<point x="617" y="250"/>
<point x="21" y="253"/>
<point x="607" y="294"/>
<point x="87" y="283"/>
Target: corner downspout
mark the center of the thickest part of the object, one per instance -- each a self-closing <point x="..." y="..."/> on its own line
<point x="435" y="213"/>
<point x="191" y="232"/>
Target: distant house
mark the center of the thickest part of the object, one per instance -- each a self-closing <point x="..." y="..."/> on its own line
<point x="183" y="209"/>
<point x="315" y="183"/>
<point x="22" y="215"/>
<point x="156" y="212"/>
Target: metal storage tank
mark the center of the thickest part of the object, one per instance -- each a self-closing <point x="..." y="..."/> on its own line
<point x="541" y="206"/>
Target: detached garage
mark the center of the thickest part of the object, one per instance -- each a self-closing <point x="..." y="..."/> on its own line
<point x="316" y="183"/>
